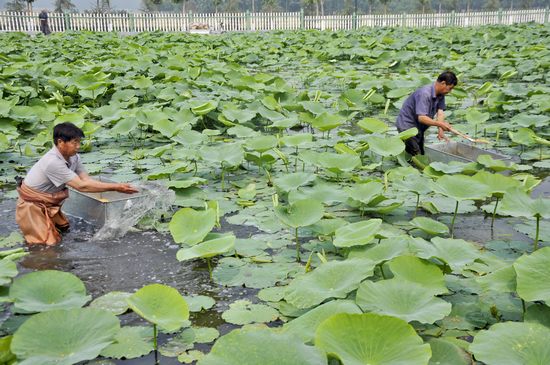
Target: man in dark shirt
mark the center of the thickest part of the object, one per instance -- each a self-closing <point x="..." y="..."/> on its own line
<point x="44" y="26"/>
<point x="424" y="108"/>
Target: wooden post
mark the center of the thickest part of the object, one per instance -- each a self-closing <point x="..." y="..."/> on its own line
<point x="355" y="21"/>
<point x="67" y="21"/>
<point x="546" y="15"/>
<point x="248" y="21"/>
<point x="302" y="19"/>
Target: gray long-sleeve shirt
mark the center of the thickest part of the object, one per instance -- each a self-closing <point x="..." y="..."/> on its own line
<point x="422" y="102"/>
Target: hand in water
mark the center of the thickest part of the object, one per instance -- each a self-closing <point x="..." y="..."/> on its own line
<point x="126" y="188"/>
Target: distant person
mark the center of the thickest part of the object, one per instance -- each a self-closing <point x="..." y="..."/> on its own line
<point x="44" y="26"/>
<point x="42" y="192"/>
<point x="424" y="108"/>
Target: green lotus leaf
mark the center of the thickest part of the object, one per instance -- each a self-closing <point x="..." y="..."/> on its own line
<point x="430" y="226"/>
<point x="244" y="312"/>
<point x="238" y="115"/>
<point x="530" y="120"/>
<point x="207" y="249"/>
<point x="498" y="184"/>
<point x="197" y="303"/>
<point x="64" y="336"/>
<point x="273" y="294"/>
<point x="166" y="127"/>
<point x="8" y="270"/>
<point x="261" y="144"/>
<point x="305" y="326"/>
<point x="184" y="184"/>
<point x="445" y="352"/>
<point x="325" y="122"/>
<point x="502" y="280"/>
<point x="240" y="131"/>
<point x="422" y="272"/>
<point x="230" y="154"/>
<point x="6" y="356"/>
<point x="517" y="203"/>
<point x="334" y="279"/>
<point x="408" y="133"/>
<point x="539" y="313"/>
<point x="495" y="165"/>
<point x="296" y="140"/>
<point x="367" y="192"/>
<point x="301" y="213"/>
<point x="114" y="302"/>
<point x="327" y="227"/>
<point x="372" y="125"/>
<point x="293" y="181"/>
<point x="130" y="343"/>
<point x="527" y="137"/>
<point x="47" y="290"/>
<point x="160" y="305"/>
<point x="313" y="107"/>
<point x="395" y="246"/>
<point x="461" y="187"/>
<point x="251" y="346"/>
<point x="202" y="108"/>
<point x="402" y="299"/>
<point x="417" y="184"/>
<point x="338" y="163"/>
<point x="512" y="343"/>
<point x="370" y="338"/>
<point x="191" y="356"/>
<point x="455" y="252"/>
<point x="357" y="234"/>
<point x="190" y="226"/>
<point x="323" y="192"/>
<point x="474" y="116"/>
<point x="533" y="272"/>
<point x="385" y="146"/>
<point x="234" y="272"/>
<point x="452" y="167"/>
<point x="124" y="126"/>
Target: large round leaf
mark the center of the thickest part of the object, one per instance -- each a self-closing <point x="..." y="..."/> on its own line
<point x="47" y="290"/>
<point x="160" y="305"/>
<point x="417" y="270"/>
<point x="359" y="339"/>
<point x="301" y="213"/>
<point x="447" y="353"/>
<point x="518" y="204"/>
<point x="335" y="279"/>
<point x="338" y="162"/>
<point x="64" y="336"/>
<point x="244" y="312"/>
<point x="293" y="181"/>
<point x="461" y="187"/>
<point x="208" y="248"/>
<point x="190" y="226"/>
<point x="262" y="346"/>
<point x="262" y="144"/>
<point x="367" y="192"/>
<point x="130" y="342"/>
<point x="402" y="299"/>
<point x="114" y="302"/>
<point x="430" y="226"/>
<point x="228" y="155"/>
<point x="533" y="275"/>
<point x="357" y="234"/>
<point x="513" y="343"/>
<point x="386" y="146"/>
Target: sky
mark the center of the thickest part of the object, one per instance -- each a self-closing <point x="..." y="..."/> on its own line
<point x="86" y="4"/>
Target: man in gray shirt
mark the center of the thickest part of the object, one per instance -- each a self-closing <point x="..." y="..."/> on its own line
<point x="43" y="190"/>
<point x="424" y="108"/>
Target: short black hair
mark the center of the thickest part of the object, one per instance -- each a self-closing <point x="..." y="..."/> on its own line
<point x="449" y="77"/>
<point x="66" y="132"/>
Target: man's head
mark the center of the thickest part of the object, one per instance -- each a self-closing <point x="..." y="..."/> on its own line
<point x="66" y="137"/>
<point x="445" y="83"/>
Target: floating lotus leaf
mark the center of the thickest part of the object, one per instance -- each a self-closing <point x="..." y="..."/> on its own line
<point x="371" y="339"/>
<point x="326" y="193"/>
<point x="395" y="246"/>
<point x="190" y="356"/>
<point x="512" y="343"/>
<point x="251" y="346"/>
<point x="530" y="120"/>
<point x="207" y="249"/>
<point x="114" y="302"/>
<point x="197" y="303"/>
<point x="262" y="143"/>
<point x="365" y="193"/>
<point x="474" y="116"/>
<point x="306" y="325"/>
<point x="402" y="299"/>
<point x="422" y="272"/>
<point x="48" y="290"/>
<point x="160" y="305"/>
<point x="452" y="167"/>
<point x="238" y="115"/>
<point x="372" y="125"/>
<point x="184" y="184"/>
<point x="445" y="352"/>
<point x="461" y="187"/>
<point x="296" y="140"/>
<point x="325" y="122"/>
<point x="502" y="280"/>
<point x="338" y="163"/>
<point x="455" y="252"/>
<point x="273" y="294"/>
<point x="301" y="213"/>
<point x="385" y="146"/>
<point x="64" y="336"/>
<point x="334" y="279"/>
<point x="533" y="275"/>
<point x="327" y="227"/>
<point x="8" y="270"/>
<point x="539" y="313"/>
<point x="244" y="312"/>
<point x="234" y="272"/>
<point x="357" y="234"/>
<point x="430" y="226"/>
<point x="293" y="181"/>
<point x="202" y="108"/>
<point x="130" y="342"/>
<point x="229" y="154"/>
<point x="527" y="137"/>
<point x="190" y="226"/>
<point x="517" y="203"/>
<point x="6" y="356"/>
<point x="417" y="184"/>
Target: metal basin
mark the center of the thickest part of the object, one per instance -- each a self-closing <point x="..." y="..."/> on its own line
<point x="458" y="151"/>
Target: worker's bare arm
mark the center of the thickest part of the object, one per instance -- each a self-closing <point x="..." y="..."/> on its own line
<point x="90" y="185"/>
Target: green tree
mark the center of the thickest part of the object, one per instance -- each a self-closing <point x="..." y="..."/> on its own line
<point x="19" y="5"/>
<point x="270" y="6"/>
<point x="61" y="6"/>
<point x="492" y="5"/>
<point x="385" y="5"/>
<point x="424" y="5"/>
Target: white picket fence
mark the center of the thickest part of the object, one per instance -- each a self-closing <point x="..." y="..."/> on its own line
<point x="177" y="22"/>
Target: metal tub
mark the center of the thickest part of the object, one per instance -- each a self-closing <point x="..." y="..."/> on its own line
<point x="458" y="151"/>
<point x="98" y="208"/>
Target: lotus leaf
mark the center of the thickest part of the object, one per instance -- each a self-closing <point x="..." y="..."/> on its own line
<point x="388" y="146"/>
<point x="6" y="356"/>
<point x="325" y="122"/>
<point x="230" y="154"/>
<point x="244" y="312"/>
<point x="498" y="184"/>
<point x="190" y="226"/>
<point x="114" y="302"/>
<point x="335" y="279"/>
<point x="367" y="192"/>
<point x="64" y="336"/>
<point x="208" y="248"/>
<point x="408" y="133"/>
<point x="512" y="343"/>
<point x="327" y="227"/>
<point x="371" y="339"/>
<point x="474" y="116"/>
<point x="422" y="272"/>
<point x="502" y="280"/>
<point x="262" y="144"/>
<point x="273" y="294"/>
<point x="296" y="140"/>
<point x="323" y="192"/>
<point x="445" y="352"/>
<point x="160" y="305"/>
<point x="198" y="303"/>
<point x="234" y="272"/>
<point x="430" y="226"/>
<point x="293" y="181"/>
<point x="251" y="346"/>
<point x="8" y="270"/>
<point x="190" y="356"/>
<point x="372" y="125"/>
<point x="238" y="115"/>
<point x="357" y="234"/>
<point x="455" y="252"/>
<point x="48" y="290"/>
<point x="301" y="213"/>
<point x="532" y="271"/>
<point x="338" y="163"/>
<point x="130" y="342"/>
<point x="306" y="325"/>
<point x="461" y="187"/>
<point x="395" y="246"/>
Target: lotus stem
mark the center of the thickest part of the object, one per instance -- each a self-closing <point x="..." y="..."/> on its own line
<point x="494" y="214"/>
<point x="523" y="307"/>
<point x="297" y="244"/>
<point x="296" y="160"/>
<point x="417" y="203"/>
<point x="209" y="263"/>
<point x="223" y="179"/>
<point x="453" y="221"/>
<point x="382" y="270"/>
<point x="536" y="245"/>
<point x="155" y="334"/>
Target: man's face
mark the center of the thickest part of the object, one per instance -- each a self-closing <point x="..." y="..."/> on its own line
<point x="69" y="148"/>
<point x="444" y="88"/>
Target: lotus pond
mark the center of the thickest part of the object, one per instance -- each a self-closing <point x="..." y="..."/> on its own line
<point x="299" y="233"/>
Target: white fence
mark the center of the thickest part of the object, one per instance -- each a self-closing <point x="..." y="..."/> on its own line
<point x="176" y="22"/>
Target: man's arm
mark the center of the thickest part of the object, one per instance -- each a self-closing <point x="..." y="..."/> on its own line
<point x="89" y="185"/>
<point x="440" y="132"/>
<point x="424" y="119"/>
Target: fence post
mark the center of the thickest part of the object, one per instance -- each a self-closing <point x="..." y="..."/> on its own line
<point x="499" y="16"/>
<point x="131" y="22"/>
<point x="302" y="20"/>
<point x="354" y="21"/>
<point x="67" y="21"/>
<point x="546" y="15"/>
<point x="248" y="21"/>
<point x="403" y="19"/>
<point x="189" y="19"/>
<point x="453" y="18"/>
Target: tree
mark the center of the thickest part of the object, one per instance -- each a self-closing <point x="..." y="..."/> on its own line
<point x="492" y="5"/>
<point x="423" y="4"/>
<point x="61" y="6"/>
<point x="19" y="5"/>
<point x="385" y="5"/>
<point x="269" y="6"/>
